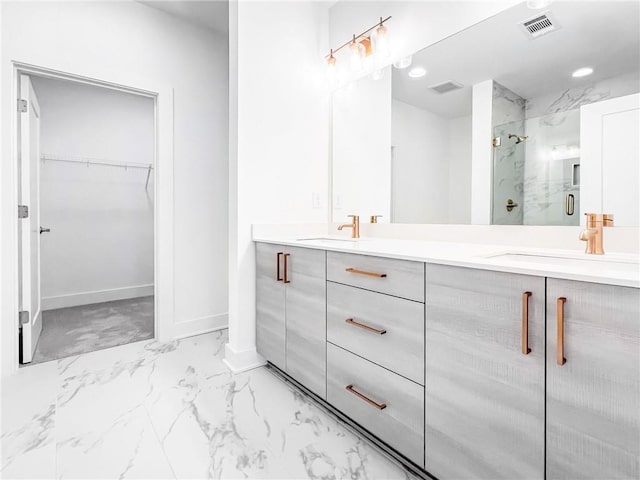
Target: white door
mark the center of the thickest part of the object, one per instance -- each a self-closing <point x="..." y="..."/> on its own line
<point x="610" y="159"/>
<point x="30" y="226"/>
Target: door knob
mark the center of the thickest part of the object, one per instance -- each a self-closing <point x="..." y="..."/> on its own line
<point x="44" y="230"/>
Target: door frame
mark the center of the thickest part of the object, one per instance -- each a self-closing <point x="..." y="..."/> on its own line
<point x="163" y="174"/>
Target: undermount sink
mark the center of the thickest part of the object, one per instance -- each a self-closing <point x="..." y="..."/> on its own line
<point x="602" y="262"/>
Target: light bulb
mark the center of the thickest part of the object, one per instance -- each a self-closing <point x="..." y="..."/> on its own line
<point x="382" y="41"/>
<point x="331" y="69"/>
<point x="367" y="53"/>
<point x="356" y="55"/>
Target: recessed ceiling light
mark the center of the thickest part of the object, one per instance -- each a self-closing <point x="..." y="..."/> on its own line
<point x="403" y="62"/>
<point x="417" y="72"/>
<point x="537" y="4"/>
<point x="582" y="72"/>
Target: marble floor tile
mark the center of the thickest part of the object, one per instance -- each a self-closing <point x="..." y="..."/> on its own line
<point x="173" y="410"/>
<point x="27" y="440"/>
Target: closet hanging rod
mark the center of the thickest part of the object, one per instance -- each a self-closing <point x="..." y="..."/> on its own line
<point x="94" y="161"/>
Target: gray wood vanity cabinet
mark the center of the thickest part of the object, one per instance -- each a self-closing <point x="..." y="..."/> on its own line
<point x="593" y="398"/>
<point x="375" y="349"/>
<point x="270" y="307"/>
<point x="484" y="406"/>
<point x="291" y="312"/>
<point x="520" y="377"/>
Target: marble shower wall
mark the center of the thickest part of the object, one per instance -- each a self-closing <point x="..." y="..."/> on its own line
<point x="540" y="175"/>
<point x="508" y="114"/>
<point x="553" y="126"/>
<point x="573" y="98"/>
<point x="551" y="151"/>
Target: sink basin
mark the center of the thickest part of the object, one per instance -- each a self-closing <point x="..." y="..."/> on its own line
<point x="602" y="263"/>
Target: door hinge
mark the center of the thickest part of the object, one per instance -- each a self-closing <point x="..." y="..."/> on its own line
<point x="23" y="211"/>
<point x="496" y="141"/>
<point x="23" y="106"/>
<point x="23" y="318"/>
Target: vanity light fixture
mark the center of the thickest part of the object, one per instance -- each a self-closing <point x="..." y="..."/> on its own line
<point x="364" y="46"/>
<point x="417" y="72"/>
<point x="582" y="72"/>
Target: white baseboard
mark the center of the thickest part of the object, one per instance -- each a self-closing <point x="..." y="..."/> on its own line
<point x="198" y="326"/>
<point x="242" y="361"/>
<point x="99" y="296"/>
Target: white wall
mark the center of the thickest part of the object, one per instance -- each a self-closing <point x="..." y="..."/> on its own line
<point x="421" y="170"/>
<point x="100" y="247"/>
<point x="279" y="132"/>
<point x="460" y="170"/>
<point x="481" y="153"/>
<point x="361" y="146"/>
<point x="140" y="45"/>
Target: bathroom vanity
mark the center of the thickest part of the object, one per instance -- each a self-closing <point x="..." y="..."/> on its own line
<point x="469" y="362"/>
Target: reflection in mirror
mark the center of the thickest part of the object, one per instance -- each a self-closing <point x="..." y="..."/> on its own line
<point x="361" y="148"/>
<point x="486" y="125"/>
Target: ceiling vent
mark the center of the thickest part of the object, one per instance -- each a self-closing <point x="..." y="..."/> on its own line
<point x="539" y="25"/>
<point x="445" y="87"/>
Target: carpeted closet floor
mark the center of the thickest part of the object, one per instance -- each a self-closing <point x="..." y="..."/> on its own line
<point x="76" y="330"/>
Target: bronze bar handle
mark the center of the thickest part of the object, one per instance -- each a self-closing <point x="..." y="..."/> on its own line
<point x="278" y="277"/>
<point x="379" y="406"/>
<point x="362" y="272"/>
<point x="286" y="277"/>
<point x="525" y="323"/>
<point x="561" y="360"/>
<point x="351" y="321"/>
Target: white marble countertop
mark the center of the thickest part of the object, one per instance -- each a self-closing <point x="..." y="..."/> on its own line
<point x="611" y="268"/>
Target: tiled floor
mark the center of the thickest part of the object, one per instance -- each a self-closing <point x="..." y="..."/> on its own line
<point x="152" y="410"/>
<point x="86" y="328"/>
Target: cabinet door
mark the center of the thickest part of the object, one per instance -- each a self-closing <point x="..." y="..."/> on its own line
<point x="270" y="304"/>
<point x="593" y="399"/>
<point x="306" y="318"/>
<point x="484" y="397"/>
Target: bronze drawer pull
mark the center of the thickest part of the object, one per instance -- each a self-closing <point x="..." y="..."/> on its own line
<point x="362" y="272"/>
<point x="286" y="276"/>
<point x="525" y="323"/>
<point x="278" y="276"/>
<point x="561" y="360"/>
<point x="351" y="321"/>
<point x="379" y="406"/>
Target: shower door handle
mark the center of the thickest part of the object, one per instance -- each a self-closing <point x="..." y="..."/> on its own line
<point x="569" y="204"/>
<point x="44" y="230"/>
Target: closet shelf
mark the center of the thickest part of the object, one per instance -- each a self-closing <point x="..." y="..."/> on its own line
<point x="98" y="161"/>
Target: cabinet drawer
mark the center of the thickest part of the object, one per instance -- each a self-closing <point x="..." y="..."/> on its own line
<point x="400" y="348"/>
<point x="400" y="424"/>
<point x="400" y="278"/>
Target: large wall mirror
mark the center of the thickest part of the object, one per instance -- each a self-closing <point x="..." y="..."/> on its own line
<point x="494" y="120"/>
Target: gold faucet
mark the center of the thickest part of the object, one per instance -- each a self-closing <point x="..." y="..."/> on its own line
<point x="355" y="225"/>
<point x="593" y="233"/>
